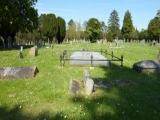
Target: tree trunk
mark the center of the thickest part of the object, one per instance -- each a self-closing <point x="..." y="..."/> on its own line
<point x="5" y="43"/>
<point x="13" y="40"/>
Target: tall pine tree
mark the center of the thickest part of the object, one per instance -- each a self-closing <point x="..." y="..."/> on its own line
<point x="113" y="24"/>
<point x="127" y="28"/>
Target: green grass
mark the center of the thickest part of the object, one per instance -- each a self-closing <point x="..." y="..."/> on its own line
<point x="46" y="96"/>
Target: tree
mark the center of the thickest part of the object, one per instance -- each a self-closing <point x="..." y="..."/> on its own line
<point x="143" y="34"/>
<point x="78" y="31"/>
<point x="135" y="34"/>
<point x="113" y="24"/>
<point x="109" y="36"/>
<point x="154" y="28"/>
<point x="49" y="26"/>
<point x="93" y="29"/>
<point x="61" y="32"/>
<point x="104" y="30"/>
<point x="16" y="15"/>
<point x="158" y="14"/>
<point x="127" y="28"/>
<point x="71" y="31"/>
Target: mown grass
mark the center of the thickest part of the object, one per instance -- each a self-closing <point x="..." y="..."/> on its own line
<point x="46" y="96"/>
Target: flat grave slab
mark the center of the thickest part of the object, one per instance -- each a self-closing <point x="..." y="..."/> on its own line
<point x="17" y="72"/>
<point x="147" y="66"/>
<point x="84" y="58"/>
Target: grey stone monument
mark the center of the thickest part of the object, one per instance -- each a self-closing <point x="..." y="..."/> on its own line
<point x="74" y="87"/>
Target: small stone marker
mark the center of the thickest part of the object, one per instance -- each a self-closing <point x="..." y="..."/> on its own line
<point x="21" y="53"/>
<point x="21" y="49"/>
<point x="88" y="83"/>
<point x="17" y="72"/>
<point x="33" y="51"/>
<point x="74" y="87"/>
<point x="89" y="86"/>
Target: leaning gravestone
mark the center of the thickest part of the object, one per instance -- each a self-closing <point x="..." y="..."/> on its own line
<point x="88" y="83"/>
<point x="74" y="87"/>
<point x="17" y="72"/>
<point x="33" y="51"/>
<point x="147" y="66"/>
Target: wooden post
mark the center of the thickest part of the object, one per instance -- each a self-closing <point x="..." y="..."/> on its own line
<point x="92" y="60"/>
<point x="122" y="61"/>
<point x="61" y="60"/>
<point x="112" y="55"/>
<point x="52" y="49"/>
<point x="101" y="51"/>
<point x="106" y="52"/>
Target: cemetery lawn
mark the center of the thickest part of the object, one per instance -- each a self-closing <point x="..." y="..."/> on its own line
<point x="46" y="97"/>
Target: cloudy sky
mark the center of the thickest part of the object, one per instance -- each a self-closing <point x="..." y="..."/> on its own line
<point x="81" y="10"/>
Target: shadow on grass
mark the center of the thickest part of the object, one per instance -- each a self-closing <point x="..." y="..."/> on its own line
<point x="137" y="101"/>
<point x="16" y="114"/>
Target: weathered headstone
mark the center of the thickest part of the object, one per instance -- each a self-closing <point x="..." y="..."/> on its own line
<point x="18" y="72"/>
<point x="147" y="66"/>
<point x="74" y="87"/>
<point x="89" y="86"/>
<point x="21" y="52"/>
<point x="33" y="51"/>
<point x="88" y="83"/>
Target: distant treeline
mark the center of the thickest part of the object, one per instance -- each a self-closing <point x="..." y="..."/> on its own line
<point x="20" y="24"/>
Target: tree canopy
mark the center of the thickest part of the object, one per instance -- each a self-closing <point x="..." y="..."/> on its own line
<point x="127" y="28"/>
<point x="49" y="26"/>
<point x="93" y="29"/>
<point x="17" y="15"/>
<point x="61" y="31"/>
<point x="154" y="28"/>
<point x="113" y="24"/>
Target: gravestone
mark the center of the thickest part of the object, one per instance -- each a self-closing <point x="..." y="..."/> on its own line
<point x="88" y="83"/>
<point x="147" y="66"/>
<point x="18" y="72"/>
<point x="83" y="58"/>
<point x="21" y="52"/>
<point x="89" y="86"/>
<point x="33" y="51"/>
<point x="74" y="87"/>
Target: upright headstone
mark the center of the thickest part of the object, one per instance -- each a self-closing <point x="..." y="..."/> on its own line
<point x="89" y="86"/>
<point x="88" y="83"/>
<point x="33" y="51"/>
<point x="74" y="87"/>
<point x="21" y="52"/>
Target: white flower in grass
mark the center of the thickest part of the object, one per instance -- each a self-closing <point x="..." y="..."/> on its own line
<point x="65" y="116"/>
<point x="20" y="106"/>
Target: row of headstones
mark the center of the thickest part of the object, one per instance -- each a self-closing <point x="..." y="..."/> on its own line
<point x="33" y="52"/>
<point x="74" y="86"/>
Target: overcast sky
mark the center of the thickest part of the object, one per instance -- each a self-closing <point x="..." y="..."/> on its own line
<point x="142" y="11"/>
